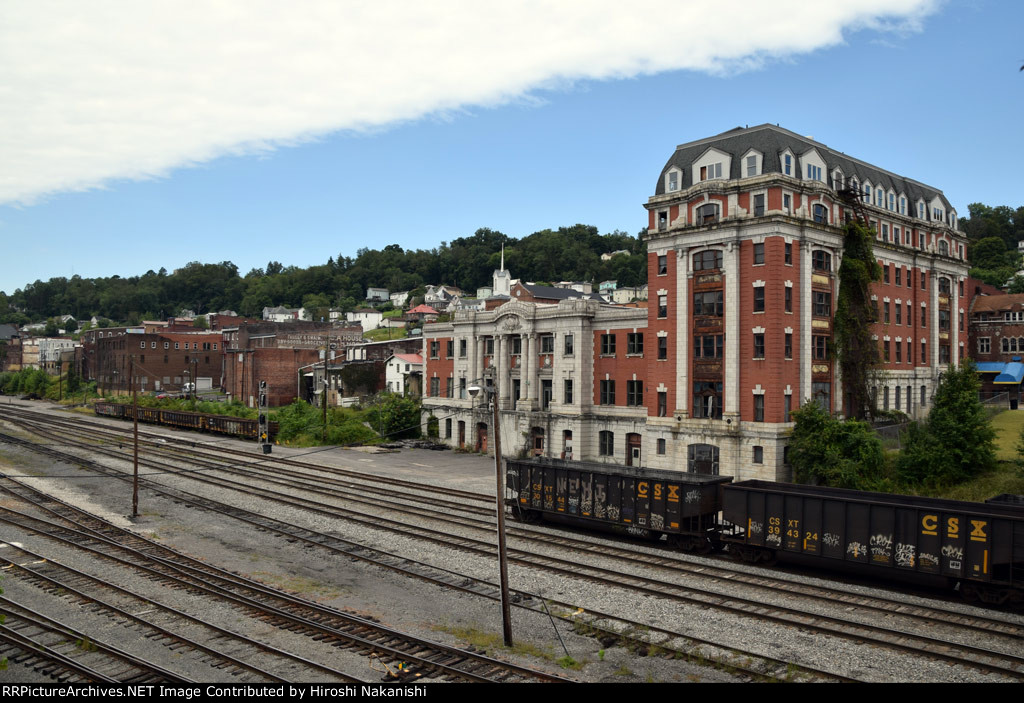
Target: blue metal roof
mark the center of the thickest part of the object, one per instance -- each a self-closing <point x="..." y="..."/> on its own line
<point x="990" y="366"/>
<point x="1012" y="374"/>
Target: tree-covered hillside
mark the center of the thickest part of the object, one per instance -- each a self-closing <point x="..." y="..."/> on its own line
<point x="568" y="253"/>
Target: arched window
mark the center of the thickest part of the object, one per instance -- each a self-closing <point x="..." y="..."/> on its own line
<point x="707" y="214"/>
<point x="702" y="459"/>
<point x="821" y="214"/>
<point x="709" y="260"/>
<point x="943" y="248"/>
<point x="707" y="399"/>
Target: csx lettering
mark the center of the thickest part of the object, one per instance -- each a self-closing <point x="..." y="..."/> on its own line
<point x="978" y="533"/>
<point x="657" y="491"/>
<point x="792" y="523"/>
<point x="673" y="494"/>
<point x="641" y="489"/>
<point x="953" y="527"/>
<point x="774" y="521"/>
<point x="929" y="523"/>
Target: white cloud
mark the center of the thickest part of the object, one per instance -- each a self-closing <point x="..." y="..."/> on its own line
<point x="96" y="91"/>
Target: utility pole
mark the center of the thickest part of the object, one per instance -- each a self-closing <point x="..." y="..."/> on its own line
<point x="323" y="390"/>
<point x="135" y="416"/>
<point x="499" y="497"/>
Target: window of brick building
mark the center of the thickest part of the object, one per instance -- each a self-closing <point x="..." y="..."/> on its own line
<point x="607" y="389"/>
<point x="607" y="345"/>
<point x="634" y="393"/>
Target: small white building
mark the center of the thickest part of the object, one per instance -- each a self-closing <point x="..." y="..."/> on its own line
<point x="399" y="299"/>
<point x="283" y="314"/>
<point x="369" y="318"/>
<point x="403" y="374"/>
<point x="629" y="294"/>
<point x="377" y="295"/>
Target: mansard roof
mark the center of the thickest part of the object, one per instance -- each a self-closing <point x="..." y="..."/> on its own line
<point x="771" y="141"/>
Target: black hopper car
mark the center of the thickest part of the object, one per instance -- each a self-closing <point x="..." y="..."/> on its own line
<point x="977" y="546"/>
<point x="218" y="424"/>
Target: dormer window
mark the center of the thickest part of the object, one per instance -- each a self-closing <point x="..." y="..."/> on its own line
<point x="711" y="171"/>
<point x="751" y="166"/>
<point x="787" y="165"/>
<point x="937" y="214"/>
<point x="673" y="181"/>
<point x="878" y="197"/>
<point x="892" y="201"/>
<point x="920" y="211"/>
<point x="867" y="193"/>
<point x="813" y="172"/>
<point x="903" y="206"/>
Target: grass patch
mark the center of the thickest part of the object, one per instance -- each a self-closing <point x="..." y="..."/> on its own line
<point x="385" y="333"/>
<point x="568" y="662"/>
<point x="299" y="585"/>
<point x="1007" y="425"/>
<point x="623" y="670"/>
<point x="490" y="642"/>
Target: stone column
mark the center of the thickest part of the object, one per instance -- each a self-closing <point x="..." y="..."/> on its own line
<point x="682" y="332"/>
<point x="732" y="361"/>
<point x="533" y="361"/>
<point x="804" y="339"/>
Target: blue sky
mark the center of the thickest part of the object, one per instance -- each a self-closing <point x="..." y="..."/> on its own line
<point x="131" y="148"/>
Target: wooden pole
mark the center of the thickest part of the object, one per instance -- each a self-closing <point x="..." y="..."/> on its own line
<point x="499" y="497"/>
<point x="135" y="413"/>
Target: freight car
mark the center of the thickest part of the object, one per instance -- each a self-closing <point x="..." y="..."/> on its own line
<point x="219" y="424"/>
<point x="640" y="502"/>
<point x="978" y="546"/>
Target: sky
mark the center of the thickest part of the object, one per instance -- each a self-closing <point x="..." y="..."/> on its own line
<point x="135" y="136"/>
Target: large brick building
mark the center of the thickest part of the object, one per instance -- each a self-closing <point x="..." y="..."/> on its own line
<point x="744" y="246"/>
<point x="282" y="354"/>
<point x="164" y="361"/>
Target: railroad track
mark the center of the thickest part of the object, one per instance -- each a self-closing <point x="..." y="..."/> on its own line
<point x="324" y="625"/>
<point x="973" y="656"/>
<point x="637" y="636"/>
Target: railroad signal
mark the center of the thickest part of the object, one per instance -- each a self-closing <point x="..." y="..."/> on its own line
<point x="263" y="431"/>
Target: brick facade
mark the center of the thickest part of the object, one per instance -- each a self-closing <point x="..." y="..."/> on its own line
<point x="745" y="243"/>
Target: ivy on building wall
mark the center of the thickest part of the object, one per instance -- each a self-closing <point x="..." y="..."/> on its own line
<point x="855" y="350"/>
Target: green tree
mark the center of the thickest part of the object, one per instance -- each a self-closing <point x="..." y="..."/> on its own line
<point x="394" y="416"/>
<point x="856" y="351"/>
<point x="840" y="453"/>
<point x="957" y="441"/>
